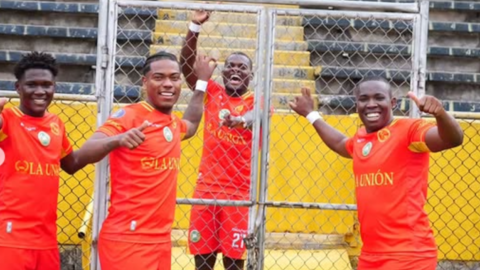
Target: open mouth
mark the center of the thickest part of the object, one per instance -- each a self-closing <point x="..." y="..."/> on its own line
<point x="235" y="80"/>
<point x="374" y="116"/>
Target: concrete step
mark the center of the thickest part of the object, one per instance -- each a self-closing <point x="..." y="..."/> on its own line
<point x="332" y="259"/>
<point x="281" y="57"/>
<point x="288" y="33"/>
<point x="225" y="17"/>
<point x="279" y="85"/>
<point x="279" y="101"/>
<point x="175" y="39"/>
<point x="284" y="72"/>
<point x="289" y="86"/>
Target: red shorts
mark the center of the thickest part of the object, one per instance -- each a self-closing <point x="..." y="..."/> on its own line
<point x="115" y="255"/>
<point x="218" y="229"/>
<point x="368" y="261"/>
<point x="29" y="259"/>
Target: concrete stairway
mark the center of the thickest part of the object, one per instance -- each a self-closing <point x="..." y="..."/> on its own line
<point x="228" y="32"/>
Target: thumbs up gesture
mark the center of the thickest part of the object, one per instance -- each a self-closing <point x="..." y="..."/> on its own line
<point x="427" y="104"/>
<point x="134" y="137"/>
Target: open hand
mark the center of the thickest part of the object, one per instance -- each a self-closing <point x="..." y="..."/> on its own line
<point x="204" y="67"/>
<point x="303" y="105"/>
<point x="200" y="16"/>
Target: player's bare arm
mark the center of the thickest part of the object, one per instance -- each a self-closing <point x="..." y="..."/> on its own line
<point x="335" y="140"/>
<point x="188" y="53"/>
<point x="204" y="67"/>
<point x="448" y="133"/>
<point x="3" y="101"/>
<point x="100" y="145"/>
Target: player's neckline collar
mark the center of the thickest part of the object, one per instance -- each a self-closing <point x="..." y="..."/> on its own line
<point x="19" y="113"/>
<point x="364" y="133"/>
<point x="244" y="95"/>
<point x="147" y="106"/>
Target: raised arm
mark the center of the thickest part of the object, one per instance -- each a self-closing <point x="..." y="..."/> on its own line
<point x="335" y="140"/>
<point x="204" y="68"/>
<point x="448" y="133"/>
<point x="99" y="146"/>
<point x="188" y="53"/>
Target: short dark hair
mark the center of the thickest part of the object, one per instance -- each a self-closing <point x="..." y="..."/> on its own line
<point x="38" y="60"/>
<point x="161" y="55"/>
<point x="250" y="63"/>
<point x="376" y="79"/>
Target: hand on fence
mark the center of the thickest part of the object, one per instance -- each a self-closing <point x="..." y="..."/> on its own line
<point x="201" y="16"/>
<point x="232" y="121"/>
<point x="3" y="101"/>
<point x="428" y="104"/>
<point x="133" y="137"/>
<point x="204" y="67"/>
<point x="303" y="105"/>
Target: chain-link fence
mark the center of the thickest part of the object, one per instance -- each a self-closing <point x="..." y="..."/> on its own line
<point x="213" y="199"/>
<point x="75" y="197"/>
<point x="292" y="204"/>
<point x="452" y="196"/>
<point x="315" y="226"/>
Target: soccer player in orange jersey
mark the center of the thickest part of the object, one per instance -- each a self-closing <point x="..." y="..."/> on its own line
<point x="225" y="167"/>
<point x="33" y="148"/>
<point x="143" y="140"/>
<point x="390" y="164"/>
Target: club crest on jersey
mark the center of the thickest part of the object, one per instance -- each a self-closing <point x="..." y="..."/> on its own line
<point x="118" y="113"/>
<point x="239" y="109"/>
<point x="55" y="129"/>
<point x="383" y="135"/>
<point x="44" y="138"/>
<point x="195" y="236"/>
<point x="167" y="133"/>
<point x="223" y="113"/>
<point x="366" y="149"/>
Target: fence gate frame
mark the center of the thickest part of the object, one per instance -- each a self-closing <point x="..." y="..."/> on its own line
<point x="104" y="85"/>
<point x="417" y="12"/>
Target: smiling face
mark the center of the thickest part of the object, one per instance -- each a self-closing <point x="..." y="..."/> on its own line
<point x="374" y="104"/>
<point x="36" y="89"/>
<point x="163" y="84"/>
<point x="237" y="74"/>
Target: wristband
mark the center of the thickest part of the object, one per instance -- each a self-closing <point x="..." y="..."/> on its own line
<point x="195" y="28"/>
<point x="313" y="116"/>
<point x="201" y="85"/>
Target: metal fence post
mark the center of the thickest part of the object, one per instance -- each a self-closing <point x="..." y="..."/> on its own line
<point x="264" y="165"/>
<point x="104" y="92"/>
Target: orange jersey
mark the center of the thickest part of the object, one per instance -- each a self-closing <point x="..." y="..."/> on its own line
<point x="391" y="178"/>
<point x="143" y="180"/>
<point x="29" y="178"/>
<point x="226" y="158"/>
